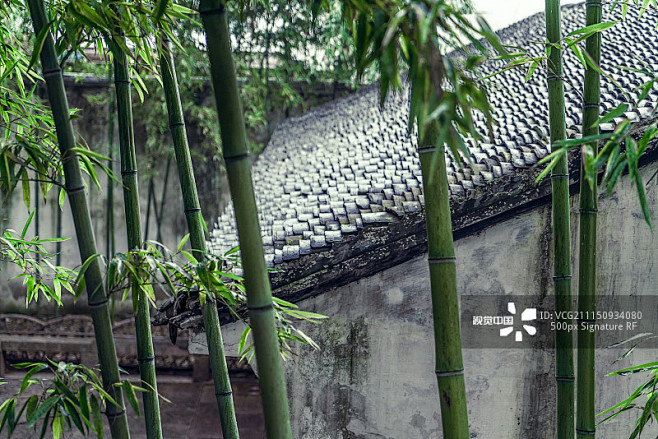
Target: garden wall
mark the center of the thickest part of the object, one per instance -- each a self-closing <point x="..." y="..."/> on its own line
<point x="373" y="376"/>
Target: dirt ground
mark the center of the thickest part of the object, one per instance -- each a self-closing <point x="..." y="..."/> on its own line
<point x="192" y="413"/>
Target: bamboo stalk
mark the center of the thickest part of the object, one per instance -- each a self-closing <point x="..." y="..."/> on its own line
<point x="163" y="198"/>
<point x="149" y="200"/>
<point x="97" y="299"/>
<point x="37" y="192"/>
<point x="564" y="371"/>
<point x="443" y="282"/>
<point x="585" y="422"/>
<point x="223" y="392"/>
<point x="145" y="353"/>
<point x="58" y="234"/>
<point x="238" y="169"/>
<point x="109" y="208"/>
<point x="109" y="214"/>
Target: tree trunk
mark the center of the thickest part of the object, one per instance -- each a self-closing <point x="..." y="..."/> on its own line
<point x="75" y="189"/>
<point x="223" y="391"/>
<point x="585" y="423"/>
<point x="564" y="373"/>
<point x="238" y="168"/>
<point x="145" y="354"/>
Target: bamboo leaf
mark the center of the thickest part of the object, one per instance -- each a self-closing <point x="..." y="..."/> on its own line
<point x="592" y="29"/>
<point x="26" y="187"/>
<point x="27" y="224"/>
<point x="130" y="394"/>
<point x="610" y="115"/>
<point x="96" y="414"/>
<point x="42" y="409"/>
<point x="57" y="427"/>
<point x="38" y="45"/>
<point x="28" y="376"/>
<point x="531" y="70"/>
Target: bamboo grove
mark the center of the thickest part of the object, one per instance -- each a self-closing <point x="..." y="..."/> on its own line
<point x="393" y="40"/>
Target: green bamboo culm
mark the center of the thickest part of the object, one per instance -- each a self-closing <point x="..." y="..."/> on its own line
<point x="238" y="169"/>
<point x="128" y="158"/>
<point x="109" y="208"/>
<point x="443" y="282"/>
<point x="564" y="371"/>
<point x="585" y="416"/>
<point x="195" y="225"/>
<point x="75" y="189"/>
<point x="109" y="214"/>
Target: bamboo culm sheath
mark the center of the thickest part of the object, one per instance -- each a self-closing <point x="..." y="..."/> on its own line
<point x="97" y="298"/>
<point x="585" y="416"/>
<point x="238" y="169"/>
<point x="145" y="353"/>
<point x="218" y="365"/>
<point x="564" y="370"/>
<point x="443" y="284"/>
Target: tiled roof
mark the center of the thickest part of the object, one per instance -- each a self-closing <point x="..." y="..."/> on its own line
<point x="349" y="164"/>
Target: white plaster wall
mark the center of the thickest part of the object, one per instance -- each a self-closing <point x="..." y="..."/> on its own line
<point x="373" y="375"/>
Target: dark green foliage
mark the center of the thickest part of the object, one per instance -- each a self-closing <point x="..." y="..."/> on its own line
<point x="71" y="398"/>
<point x="647" y="390"/>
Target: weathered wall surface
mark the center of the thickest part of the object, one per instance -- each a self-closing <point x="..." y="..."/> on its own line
<point x="373" y="375"/>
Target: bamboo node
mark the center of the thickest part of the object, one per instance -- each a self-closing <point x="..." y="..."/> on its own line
<point x="121" y="81"/>
<point x="592" y="105"/>
<point x="565" y="379"/>
<point x="561" y="278"/>
<point x="449" y="373"/>
<point x="193" y="210"/>
<point x="75" y="189"/>
<point x="115" y="415"/>
<point x="235" y="158"/>
<point x="427" y="150"/>
<point x="50" y="73"/>
<point x="97" y="305"/>
<point x="130" y="172"/>
<point x="145" y="360"/>
<point x="176" y="124"/>
<point x="261" y="308"/>
<point x="227" y="393"/>
<point x="586" y="432"/>
<point x="589" y="211"/>
<point x="594" y="4"/>
<point x="432" y="261"/>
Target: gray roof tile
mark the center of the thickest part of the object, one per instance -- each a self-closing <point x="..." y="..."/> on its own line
<point x="350" y="164"/>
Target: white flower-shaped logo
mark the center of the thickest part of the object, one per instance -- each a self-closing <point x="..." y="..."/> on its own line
<point x="527" y="315"/>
